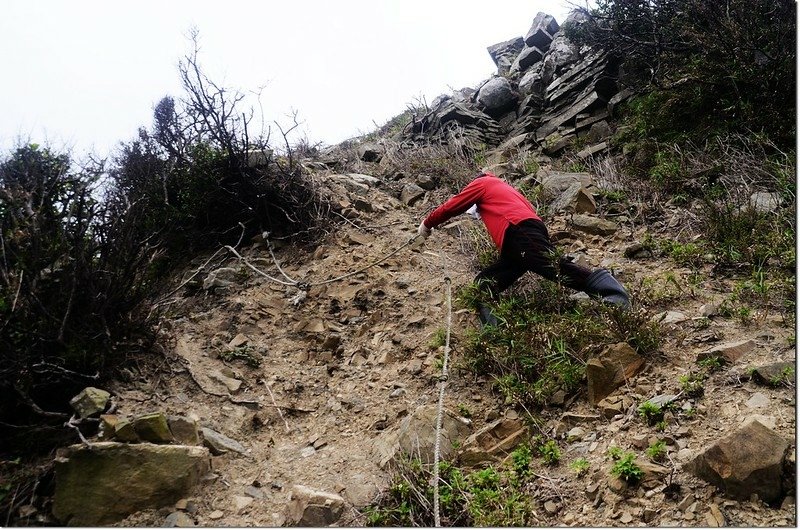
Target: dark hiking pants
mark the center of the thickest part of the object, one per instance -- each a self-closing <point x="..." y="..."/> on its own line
<point x="527" y="247"/>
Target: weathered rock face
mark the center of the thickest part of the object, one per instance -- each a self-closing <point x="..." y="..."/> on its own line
<point x="745" y="462"/>
<point x="100" y="485"/>
<point x="594" y="225"/>
<point x="493" y="442"/>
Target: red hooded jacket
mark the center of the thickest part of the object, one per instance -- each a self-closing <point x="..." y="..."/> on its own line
<point x="499" y="206"/>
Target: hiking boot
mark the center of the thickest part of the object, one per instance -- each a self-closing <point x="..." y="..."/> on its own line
<point x="601" y="284"/>
<point x="486" y="317"/>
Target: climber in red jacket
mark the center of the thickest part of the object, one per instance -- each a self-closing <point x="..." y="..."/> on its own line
<point x="524" y="244"/>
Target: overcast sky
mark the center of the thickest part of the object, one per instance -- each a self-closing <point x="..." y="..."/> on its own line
<point x="86" y="74"/>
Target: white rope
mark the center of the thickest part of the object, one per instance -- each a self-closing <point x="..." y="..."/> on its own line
<point x="440" y="409"/>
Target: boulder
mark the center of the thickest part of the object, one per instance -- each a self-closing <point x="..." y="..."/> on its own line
<point x="616" y="364"/>
<point x="729" y="352"/>
<point x="594" y="225"/>
<point x="426" y="182"/>
<point x="101" y="484"/>
<point x="554" y="183"/>
<point x="575" y="199"/>
<point x="497" y="95"/>
<point x="416" y="435"/>
<point x="543" y="28"/>
<point x="765" y="201"/>
<point x="411" y="194"/>
<point x="312" y="508"/>
<point x="775" y="373"/>
<point x="90" y="402"/>
<point x="529" y="56"/>
<point x="746" y="462"/>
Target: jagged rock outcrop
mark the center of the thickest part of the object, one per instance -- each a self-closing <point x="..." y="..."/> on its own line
<point x="547" y="88"/>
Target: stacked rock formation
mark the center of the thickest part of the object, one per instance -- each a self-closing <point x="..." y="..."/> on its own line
<point x="546" y="89"/>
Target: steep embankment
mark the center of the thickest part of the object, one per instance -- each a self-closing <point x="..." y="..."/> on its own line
<point x="342" y="369"/>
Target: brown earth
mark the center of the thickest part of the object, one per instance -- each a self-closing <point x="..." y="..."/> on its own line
<point x="356" y="356"/>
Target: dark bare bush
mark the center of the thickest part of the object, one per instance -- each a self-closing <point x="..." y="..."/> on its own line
<point x="85" y="248"/>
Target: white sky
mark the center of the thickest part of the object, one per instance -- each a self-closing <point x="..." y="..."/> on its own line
<point x="85" y="74"/>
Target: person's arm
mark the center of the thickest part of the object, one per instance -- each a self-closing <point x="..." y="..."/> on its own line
<point x="457" y="204"/>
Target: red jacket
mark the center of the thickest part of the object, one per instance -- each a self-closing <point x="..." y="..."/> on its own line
<point x="499" y="206"/>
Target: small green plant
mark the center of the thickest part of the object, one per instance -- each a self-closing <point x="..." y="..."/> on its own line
<point x="657" y="451"/>
<point x="650" y="412"/>
<point x="614" y="452"/>
<point x="627" y="469"/>
<point x="550" y="453"/>
<point x="580" y="466"/>
<point x="245" y="353"/>
<point x="521" y="459"/>
<point x="439" y="338"/>
<point x="711" y="364"/>
<point x="692" y="384"/>
<point x="661" y="426"/>
<point x="786" y="377"/>
<point x="464" y="410"/>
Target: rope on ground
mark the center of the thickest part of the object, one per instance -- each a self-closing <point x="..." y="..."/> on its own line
<point x="442" y="385"/>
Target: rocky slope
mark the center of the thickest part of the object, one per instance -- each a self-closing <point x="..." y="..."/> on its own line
<point x="318" y="389"/>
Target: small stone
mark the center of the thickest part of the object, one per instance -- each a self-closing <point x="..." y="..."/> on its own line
<point x="216" y="514"/>
<point x="592" y="490"/>
<point x="686" y="502"/>
<point x="757" y="401"/>
<point x="153" y="428"/>
<point x="648" y="514"/>
<point x="551" y="507"/>
<point x="241" y="502"/>
<point x="626" y="518"/>
<point x="254" y="492"/>
<point x="182" y="504"/>
<point x="178" y="520"/>
<point x="307" y="451"/>
<point x="576" y="434"/>
<point x="397" y="392"/>
<point x="90" y="401"/>
<point x="239" y="340"/>
<point x="219" y="443"/>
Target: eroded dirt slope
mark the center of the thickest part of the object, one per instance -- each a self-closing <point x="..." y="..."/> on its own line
<point x="355" y="356"/>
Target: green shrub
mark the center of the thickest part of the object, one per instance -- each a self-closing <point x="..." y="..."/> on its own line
<point x="657" y="451"/>
<point x="650" y="412"/>
<point x="580" y="466"/>
<point x="627" y="469"/>
<point x="549" y="452"/>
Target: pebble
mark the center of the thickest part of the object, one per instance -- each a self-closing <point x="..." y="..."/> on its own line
<point x="307" y="451"/>
<point x="397" y="392"/>
<point x="551" y="507"/>
<point x="216" y="514"/>
<point x="686" y="502"/>
<point x="626" y="518"/>
<point x="757" y="401"/>
<point x="241" y="502"/>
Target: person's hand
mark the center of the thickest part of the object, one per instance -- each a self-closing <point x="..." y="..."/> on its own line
<point x="423" y="230"/>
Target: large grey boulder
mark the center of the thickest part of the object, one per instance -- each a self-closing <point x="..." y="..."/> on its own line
<point x="748" y="461"/>
<point x="576" y="198"/>
<point x="563" y="52"/>
<point x="543" y="28"/>
<point x="554" y="183"/>
<point x="101" y="484"/>
<point x="411" y="194"/>
<point x="497" y="95"/>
